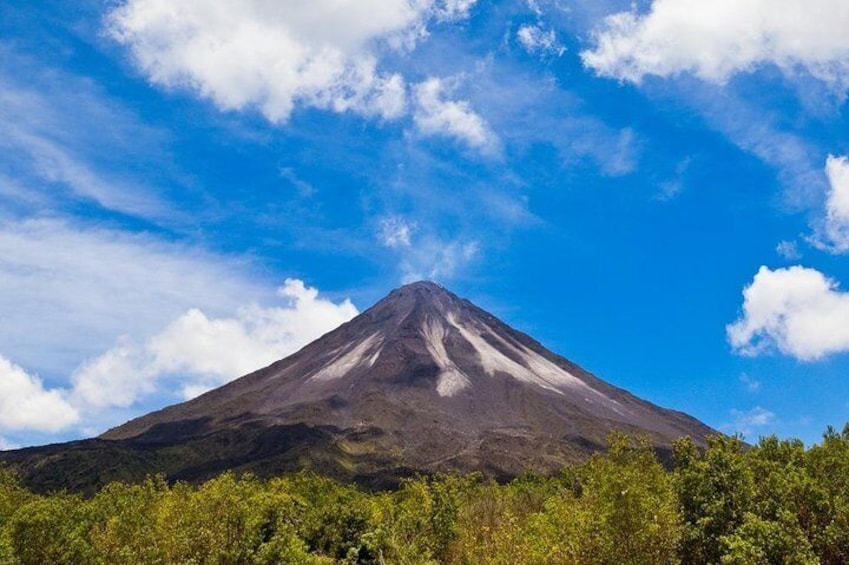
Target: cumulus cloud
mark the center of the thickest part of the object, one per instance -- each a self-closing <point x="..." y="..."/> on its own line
<point x="537" y="40"/>
<point x="192" y="354"/>
<point x="274" y="56"/>
<point x="715" y="40"/>
<point x="199" y="352"/>
<point x="835" y="227"/>
<point x="26" y="405"/>
<point x="796" y="310"/>
<point x="224" y="348"/>
<point x="436" y="114"/>
<point x="115" y="378"/>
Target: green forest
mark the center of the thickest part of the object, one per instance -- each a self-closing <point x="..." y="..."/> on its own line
<point x="773" y="503"/>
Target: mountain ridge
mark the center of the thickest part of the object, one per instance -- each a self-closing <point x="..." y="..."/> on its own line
<point x="423" y="381"/>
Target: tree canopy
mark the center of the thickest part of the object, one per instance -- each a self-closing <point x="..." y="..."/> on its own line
<point x="727" y="504"/>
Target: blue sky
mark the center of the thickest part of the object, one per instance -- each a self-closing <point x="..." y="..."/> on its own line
<point x="658" y="191"/>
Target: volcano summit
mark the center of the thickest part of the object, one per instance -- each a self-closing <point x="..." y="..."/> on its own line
<point x="423" y="381"/>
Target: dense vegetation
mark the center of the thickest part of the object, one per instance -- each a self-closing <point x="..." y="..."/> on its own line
<point x="729" y="504"/>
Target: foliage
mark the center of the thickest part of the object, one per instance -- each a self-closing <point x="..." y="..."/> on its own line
<point x="726" y="504"/>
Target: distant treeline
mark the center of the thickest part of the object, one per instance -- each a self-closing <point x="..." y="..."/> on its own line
<point x="776" y="503"/>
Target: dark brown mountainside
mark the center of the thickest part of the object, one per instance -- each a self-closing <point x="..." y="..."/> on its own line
<point x="421" y="382"/>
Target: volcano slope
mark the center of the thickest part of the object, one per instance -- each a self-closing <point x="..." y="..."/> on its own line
<point x="422" y="382"/>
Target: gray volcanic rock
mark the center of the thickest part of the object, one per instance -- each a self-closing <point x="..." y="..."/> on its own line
<point x="421" y="382"/>
<point x="441" y="383"/>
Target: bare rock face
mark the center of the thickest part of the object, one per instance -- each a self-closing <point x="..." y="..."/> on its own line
<point x="421" y="382"/>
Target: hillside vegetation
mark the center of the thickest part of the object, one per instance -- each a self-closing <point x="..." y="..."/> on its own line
<point x="730" y="504"/>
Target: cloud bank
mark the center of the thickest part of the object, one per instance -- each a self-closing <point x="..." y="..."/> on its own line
<point x="77" y="287"/>
<point x="715" y="40"/>
<point x="796" y="310"/>
<point x="198" y="352"/>
<point x="192" y="354"/>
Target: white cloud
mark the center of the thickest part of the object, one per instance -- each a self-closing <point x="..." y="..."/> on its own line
<point x="536" y="39"/>
<point x="395" y="232"/>
<point x="835" y="227"/>
<point x="436" y="114"/>
<point x="199" y="352"/>
<point x="115" y="378"/>
<point x="194" y="320"/>
<point x="26" y="405"/>
<point x="789" y="250"/>
<point x="274" y="56"/>
<point x="67" y="292"/>
<point x="746" y="422"/>
<point x="797" y="310"/>
<point x="224" y="348"/>
<point x="193" y="353"/>
<point x="837" y="169"/>
<point x="715" y="40"/>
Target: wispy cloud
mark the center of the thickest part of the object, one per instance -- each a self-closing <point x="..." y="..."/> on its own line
<point x="795" y="157"/>
<point x="63" y="139"/>
<point x="67" y="290"/>
<point x="668" y="41"/>
<point x="425" y="255"/>
<point x="436" y="259"/>
<point x="749" y="383"/>
<point x="788" y="250"/>
<point x="527" y="109"/>
<point x="305" y="189"/>
<point x="539" y="40"/>
<point x="670" y="189"/>
<point x="395" y="232"/>
<point x="749" y="422"/>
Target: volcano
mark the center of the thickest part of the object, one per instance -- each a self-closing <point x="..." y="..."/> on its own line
<point x="421" y="382"/>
